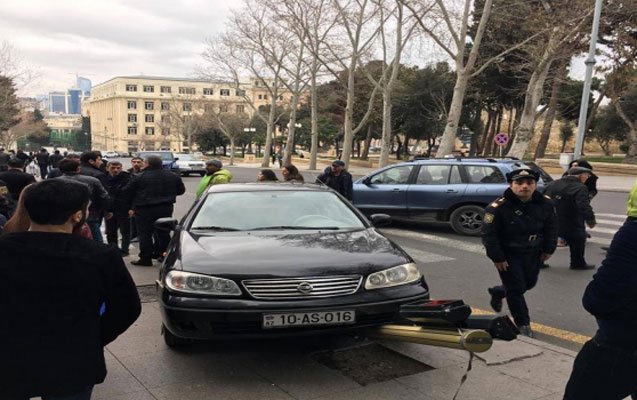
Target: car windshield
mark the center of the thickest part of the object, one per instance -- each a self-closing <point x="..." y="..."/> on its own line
<point x="275" y="210"/>
<point x="186" y="157"/>
<point x="163" y="156"/>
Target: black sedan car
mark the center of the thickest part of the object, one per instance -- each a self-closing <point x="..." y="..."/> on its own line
<point x="258" y="260"/>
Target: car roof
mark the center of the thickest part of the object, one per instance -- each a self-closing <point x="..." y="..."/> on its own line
<point x="268" y="186"/>
<point x="488" y="160"/>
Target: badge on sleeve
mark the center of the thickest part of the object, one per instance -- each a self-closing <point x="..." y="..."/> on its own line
<point x="488" y="218"/>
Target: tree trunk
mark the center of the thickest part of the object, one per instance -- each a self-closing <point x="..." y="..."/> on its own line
<point x="591" y="117"/>
<point x="314" y="118"/>
<point x="488" y="145"/>
<point x="399" y="147"/>
<point x="386" y="138"/>
<point x="550" y="114"/>
<point x="485" y="135"/>
<point x="231" y="151"/>
<point x="406" y="149"/>
<point x="447" y="143"/>
<point x="631" y="137"/>
<point x="368" y="142"/>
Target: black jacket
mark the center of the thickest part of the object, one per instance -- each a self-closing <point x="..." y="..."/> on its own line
<point x="89" y="170"/>
<point x="42" y="159"/>
<point x="120" y="201"/>
<point x="612" y="294"/>
<point x="572" y="202"/>
<point x="16" y="181"/>
<point x="52" y="338"/>
<point x="54" y="159"/>
<point x="154" y="187"/>
<point x="511" y="226"/>
<point x="341" y="183"/>
<point x="100" y="200"/>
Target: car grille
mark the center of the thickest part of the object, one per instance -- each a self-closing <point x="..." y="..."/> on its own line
<point x="303" y="288"/>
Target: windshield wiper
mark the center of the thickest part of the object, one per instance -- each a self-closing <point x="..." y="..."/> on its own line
<point x="284" y="227"/>
<point x="215" y="228"/>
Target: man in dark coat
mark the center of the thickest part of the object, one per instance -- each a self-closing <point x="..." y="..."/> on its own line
<point x="606" y="367"/>
<point x="55" y="158"/>
<point x="117" y="218"/>
<point x="337" y="178"/>
<point x="42" y="158"/>
<point x="574" y="212"/>
<point x="4" y="159"/>
<point x="153" y="193"/>
<point x="519" y="233"/>
<point x="91" y="165"/>
<point x="15" y="178"/>
<point x="68" y="298"/>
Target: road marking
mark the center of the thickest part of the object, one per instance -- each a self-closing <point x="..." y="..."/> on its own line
<point x="618" y="216"/>
<point x="603" y="230"/>
<point x="609" y="222"/>
<point x="425" y="256"/>
<point x="544" y="329"/>
<point x="456" y="244"/>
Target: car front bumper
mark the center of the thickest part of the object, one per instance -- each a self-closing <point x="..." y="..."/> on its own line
<point x="206" y="318"/>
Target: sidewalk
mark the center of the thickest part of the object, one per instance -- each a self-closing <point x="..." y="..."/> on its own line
<point x="141" y="367"/>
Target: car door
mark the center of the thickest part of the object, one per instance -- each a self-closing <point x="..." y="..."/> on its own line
<point x="437" y="187"/>
<point x="485" y="183"/>
<point x="384" y="192"/>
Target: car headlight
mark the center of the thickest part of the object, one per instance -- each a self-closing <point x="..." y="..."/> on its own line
<point x="188" y="282"/>
<point x="395" y="276"/>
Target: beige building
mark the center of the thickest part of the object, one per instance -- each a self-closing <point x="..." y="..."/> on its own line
<point x="135" y="113"/>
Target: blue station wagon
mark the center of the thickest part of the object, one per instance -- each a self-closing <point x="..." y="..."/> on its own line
<point x="454" y="190"/>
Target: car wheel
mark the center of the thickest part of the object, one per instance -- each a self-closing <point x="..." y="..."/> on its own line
<point x="467" y="220"/>
<point x="172" y="340"/>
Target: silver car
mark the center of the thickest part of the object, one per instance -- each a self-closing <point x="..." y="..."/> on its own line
<point x="190" y="164"/>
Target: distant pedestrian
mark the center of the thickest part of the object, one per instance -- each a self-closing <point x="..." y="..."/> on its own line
<point x="117" y="218"/>
<point x="337" y="178"/>
<point x="42" y="158"/>
<point x="16" y="179"/>
<point x="215" y="175"/>
<point x="55" y="158"/>
<point x="574" y="212"/>
<point x="519" y="233"/>
<point x="4" y="159"/>
<point x="606" y="367"/>
<point x="153" y="193"/>
<point x="291" y="174"/>
<point x="68" y="298"/>
<point x="55" y="172"/>
<point x="267" y="175"/>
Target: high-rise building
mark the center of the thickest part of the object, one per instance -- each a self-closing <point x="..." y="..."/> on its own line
<point x="74" y="99"/>
<point x="57" y="102"/>
<point x="84" y="84"/>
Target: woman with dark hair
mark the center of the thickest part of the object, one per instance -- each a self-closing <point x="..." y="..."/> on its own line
<point x="291" y="174"/>
<point x="267" y="175"/>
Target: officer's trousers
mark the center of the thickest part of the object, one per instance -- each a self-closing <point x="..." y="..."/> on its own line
<point x="522" y="275"/>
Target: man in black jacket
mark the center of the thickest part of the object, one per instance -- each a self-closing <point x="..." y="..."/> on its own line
<point x="55" y="158"/>
<point x="15" y="178"/>
<point x="42" y="159"/>
<point x="337" y="178"/>
<point x="117" y="218"/>
<point x="606" y="367"/>
<point x="574" y="212"/>
<point x="68" y="298"/>
<point x="519" y="233"/>
<point x="91" y="165"/>
<point x="153" y="193"/>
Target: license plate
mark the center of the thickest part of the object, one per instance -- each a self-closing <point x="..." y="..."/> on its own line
<point x="287" y="320"/>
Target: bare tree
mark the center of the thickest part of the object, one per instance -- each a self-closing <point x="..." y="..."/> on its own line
<point x="14" y="67"/>
<point x="231" y="125"/>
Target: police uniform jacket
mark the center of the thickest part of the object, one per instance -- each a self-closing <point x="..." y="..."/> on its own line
<point x="512" y="226"/>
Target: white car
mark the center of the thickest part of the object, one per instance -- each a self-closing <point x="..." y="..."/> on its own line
<point x="190" y="164"/>
<point x="111" y="154"/>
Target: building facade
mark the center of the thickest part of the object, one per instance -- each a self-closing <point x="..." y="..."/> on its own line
<point x="57" y="102"/>
<point x="135" y="113"/>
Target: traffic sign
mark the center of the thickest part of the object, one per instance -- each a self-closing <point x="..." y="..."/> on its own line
<point x="501" y="139"/>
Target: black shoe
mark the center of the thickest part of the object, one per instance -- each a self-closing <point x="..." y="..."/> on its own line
<point x="585" y="266"/>
<point x="544" y="266"/>
<point x="142" y="263"/>
<point x="496" y="300"/>
<point x="525" y="330"/>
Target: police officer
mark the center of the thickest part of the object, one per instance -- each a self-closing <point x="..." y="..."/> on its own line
<point x="519" y="233"/>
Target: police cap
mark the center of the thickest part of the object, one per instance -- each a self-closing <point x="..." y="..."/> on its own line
<point x="522" y="173"/>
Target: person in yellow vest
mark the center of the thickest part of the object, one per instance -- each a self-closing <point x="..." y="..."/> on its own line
<point x="215" y="175"/>
<point x="631" y="204"/>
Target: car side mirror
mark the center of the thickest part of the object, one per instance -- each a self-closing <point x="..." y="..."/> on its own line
<point x="367" y="181"/>
<point x="166" y="224"/>
<point x="176" y="158"/>
<point x="379" y="220"/>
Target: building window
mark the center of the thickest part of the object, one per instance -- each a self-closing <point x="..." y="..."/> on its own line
<point x="224" y="92"/>
<point x="223" y="108"/>
<point x="132" y="130"/>
<point x="132" y="117"/>
<point x="241" y="92"/>
<point x="132" y="105"/>
<point x="149" y="89"/>
<point x="240" y="109"/>
<point x="165" y="89"/>
<point x="149" y="118"/>
<point x="207" y="107"/>
<point x="165" y="119"/>
<point x="149" y="105"/>
<point x="150" y="130"/>
<point x="165" y="106"/>
<point x="187" y="107"/>
<point x="186" y="90"/>
<point x="165" y="131"/>
<point x="207" y="91"/>
<point x="131" y="88"/>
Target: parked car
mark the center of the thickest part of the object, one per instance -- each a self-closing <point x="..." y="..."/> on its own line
<point x="265" y="260"/>
<point x="454" y="190"/>
<point x="111" y="154"/>
<point x="190" y="164"/>
<point x="168" y="159"/>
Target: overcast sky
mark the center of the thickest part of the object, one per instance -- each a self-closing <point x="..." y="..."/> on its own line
<point x="106" y="38"/>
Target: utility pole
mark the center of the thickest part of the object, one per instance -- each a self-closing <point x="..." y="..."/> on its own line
<point x="590" y="63"/>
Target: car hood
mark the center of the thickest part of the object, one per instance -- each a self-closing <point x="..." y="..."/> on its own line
<point x="263" y="255"/>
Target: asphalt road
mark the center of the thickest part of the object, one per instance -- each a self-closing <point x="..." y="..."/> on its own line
<point x="456" y="267"/>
